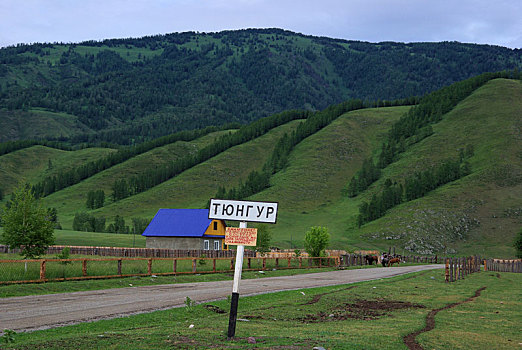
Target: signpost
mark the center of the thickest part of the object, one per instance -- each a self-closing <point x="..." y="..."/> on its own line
<point x="242" y="211"/>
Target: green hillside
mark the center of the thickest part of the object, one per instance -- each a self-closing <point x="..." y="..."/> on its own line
<point x="72" y="199"/>
<point x="479" y="213"/>
<point x="38" y="124"/>
<point x="35" y="163"/>
<point x="136" y="89"/>
<point x="191" y="189"/>
<point x="476" y="214"/>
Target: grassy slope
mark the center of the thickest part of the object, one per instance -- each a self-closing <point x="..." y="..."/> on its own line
<point x="37" y="124"/>
<point x="475" y="206"/>
<point x="319" y="168"/>
<point x="194" y="187"/>
<point x="72" y="199"/>
<point x="32" y="164"/>
<point x="477" y="214"/>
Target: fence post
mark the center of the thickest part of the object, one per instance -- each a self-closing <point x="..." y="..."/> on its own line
<point x="84" y="268"/>
<point x="451" y="269"/>
<point x="194" y="264"/>
<point x="149" y="266"/>
<point x="249" y="263"/>
<point x="485" y="265"/>
<point x="214" y="265"/>
<point x="119" y="267"/>
<point x="232" y="264"/>
<point x="174" y="265"/>
<point x="289" y="263"/>
<point x="42" y="270"/>
<point x="277" y="262"/>
<point x="447" y="271"/>
<point x="300" y="262"/>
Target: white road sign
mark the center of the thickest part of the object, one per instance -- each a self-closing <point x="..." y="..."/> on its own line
<point x="225" y="209"/>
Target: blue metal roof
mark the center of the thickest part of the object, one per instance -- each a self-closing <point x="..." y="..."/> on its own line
<point x="179" y="223"/>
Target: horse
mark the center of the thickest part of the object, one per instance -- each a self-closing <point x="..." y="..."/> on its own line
<point x="394" y="260"/>
<point x="370" y="259"/>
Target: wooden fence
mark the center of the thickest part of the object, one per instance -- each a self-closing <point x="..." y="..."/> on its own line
<point x="43" y="270"/>
<point x="458" y="268"/>
<point x="136" y="252"/>
<point x="503" y="265"/>
<point x="359" y="259"/>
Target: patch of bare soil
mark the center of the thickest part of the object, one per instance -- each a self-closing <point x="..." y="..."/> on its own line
<point x="409" y="339"/>
<point x="215" y="309"/>
<point x="361" y="310"/>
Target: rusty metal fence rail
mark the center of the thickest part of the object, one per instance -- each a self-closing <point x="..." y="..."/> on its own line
<point x="135" y="252"/>
<point x="44" y="270"/>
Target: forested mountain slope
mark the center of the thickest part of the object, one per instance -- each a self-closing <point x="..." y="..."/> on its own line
<point x="130" y="90"/>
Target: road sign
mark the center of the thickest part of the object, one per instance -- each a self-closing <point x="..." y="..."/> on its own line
<point x="243" y="211"/>
<point x="246" y="211"/>
<point x="241" y="236"/>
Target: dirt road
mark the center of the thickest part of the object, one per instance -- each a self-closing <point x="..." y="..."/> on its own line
<point x="54" y="310"/>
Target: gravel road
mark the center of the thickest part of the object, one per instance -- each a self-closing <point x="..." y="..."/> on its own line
<point x="37" y="312"/>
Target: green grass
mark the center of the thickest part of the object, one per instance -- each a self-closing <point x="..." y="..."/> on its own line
<point x="290" y="320"/>
<point x="32" y="164"/>
<point x="98" y="239"/>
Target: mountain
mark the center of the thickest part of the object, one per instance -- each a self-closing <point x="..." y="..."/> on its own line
<point x="476" y="213"/>
<point x="126" y="91"/>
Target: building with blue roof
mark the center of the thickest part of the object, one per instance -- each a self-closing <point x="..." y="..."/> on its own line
<point x="186" y="229"/>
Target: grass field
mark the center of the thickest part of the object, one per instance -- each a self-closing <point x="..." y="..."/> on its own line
<point x="98" y="239"/>
<point x="369" y="315"/>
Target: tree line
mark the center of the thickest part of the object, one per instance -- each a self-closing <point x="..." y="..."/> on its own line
<point x="152" y="177"/>
<point x="415" y="125"/>
<point x="89" y="223"/>
<point x="11" y="146"/>
<point x="65" y="179"/>
<point x="259" y="180"/>
<point x="415" y="186"/>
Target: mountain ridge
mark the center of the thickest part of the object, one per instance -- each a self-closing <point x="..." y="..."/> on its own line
<point x="127" y="91"/>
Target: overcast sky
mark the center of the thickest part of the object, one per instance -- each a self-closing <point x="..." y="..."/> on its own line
<point x="496" y="22"/>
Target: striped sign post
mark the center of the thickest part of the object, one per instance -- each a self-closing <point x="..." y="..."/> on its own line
<point x="242" y="211"/>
